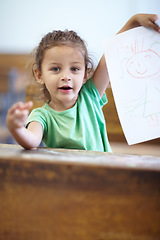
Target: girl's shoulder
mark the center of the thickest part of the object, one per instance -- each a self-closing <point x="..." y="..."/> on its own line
<point x="90" y="89"/>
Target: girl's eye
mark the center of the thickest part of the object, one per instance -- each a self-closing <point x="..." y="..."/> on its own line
<point x="75" y="69"/>
<point x="55" y="69"/>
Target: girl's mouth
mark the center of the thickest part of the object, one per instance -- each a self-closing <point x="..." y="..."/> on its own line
<point x="65" y="89"/>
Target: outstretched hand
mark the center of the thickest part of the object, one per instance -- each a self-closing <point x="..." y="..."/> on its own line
<point x="17" y="115"/>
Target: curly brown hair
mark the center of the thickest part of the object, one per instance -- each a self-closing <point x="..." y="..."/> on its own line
<point x="57" y="38"/>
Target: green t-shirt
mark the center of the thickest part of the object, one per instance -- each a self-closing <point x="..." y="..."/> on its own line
<point x="80" y="127"/>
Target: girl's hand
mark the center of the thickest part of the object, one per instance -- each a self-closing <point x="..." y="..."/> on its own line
<point x="146" y="20"/>
<point x="17" y="115"/>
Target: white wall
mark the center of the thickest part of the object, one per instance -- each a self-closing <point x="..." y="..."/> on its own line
<point x="24" y="22"/>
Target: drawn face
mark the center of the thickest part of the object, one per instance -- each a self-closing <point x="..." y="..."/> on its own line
<point x="144" y="64"/>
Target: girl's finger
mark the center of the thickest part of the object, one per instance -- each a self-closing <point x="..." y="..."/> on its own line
<point x="20" y="106"/>
<point x="28" y="105"/>
<point x="154" y="26"/>
<point x="15" y="106"/>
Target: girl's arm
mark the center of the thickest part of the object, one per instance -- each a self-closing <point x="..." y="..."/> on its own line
<point x="100" y="76"/>
<point x="16" y="119"/>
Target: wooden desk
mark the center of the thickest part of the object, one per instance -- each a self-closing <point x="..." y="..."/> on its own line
<point x="58" y="194"/>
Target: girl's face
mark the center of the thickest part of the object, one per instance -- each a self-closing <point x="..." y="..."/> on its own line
<point x="63" y="73"/>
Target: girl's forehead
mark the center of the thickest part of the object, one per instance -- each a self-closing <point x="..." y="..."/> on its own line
<point x="61" y="51"/>
<point x="66" y="49"/>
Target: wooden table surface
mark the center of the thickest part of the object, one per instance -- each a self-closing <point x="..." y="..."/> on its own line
<point x="48" y="194"/>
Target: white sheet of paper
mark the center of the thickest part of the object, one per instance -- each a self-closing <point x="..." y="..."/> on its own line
<point x="133" y="61"/>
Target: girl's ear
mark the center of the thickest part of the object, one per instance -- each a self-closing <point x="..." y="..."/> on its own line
<point x="38" y="76"/>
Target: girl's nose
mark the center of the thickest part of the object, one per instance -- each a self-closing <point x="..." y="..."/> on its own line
<point x="66" y="77"/>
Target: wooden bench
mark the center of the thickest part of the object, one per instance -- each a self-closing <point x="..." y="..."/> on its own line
<point x="59" y="194"/>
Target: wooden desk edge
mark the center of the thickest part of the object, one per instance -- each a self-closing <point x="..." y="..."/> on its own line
<point x="80" y="158"/>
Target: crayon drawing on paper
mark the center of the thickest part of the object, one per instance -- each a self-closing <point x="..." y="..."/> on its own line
<point x="133" y="61"/>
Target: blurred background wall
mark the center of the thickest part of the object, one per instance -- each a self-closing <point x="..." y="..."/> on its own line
<point x="23" y="24"/>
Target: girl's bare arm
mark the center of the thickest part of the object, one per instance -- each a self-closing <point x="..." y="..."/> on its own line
<point x="16" y="119"/>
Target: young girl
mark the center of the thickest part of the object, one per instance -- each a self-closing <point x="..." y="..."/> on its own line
<point x="72" y="116"/>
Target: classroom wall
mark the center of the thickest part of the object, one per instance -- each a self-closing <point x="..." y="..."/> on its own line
<point x="23" y="23"/>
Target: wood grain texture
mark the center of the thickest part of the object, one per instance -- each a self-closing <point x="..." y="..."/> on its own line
<point x="68" y="194"/>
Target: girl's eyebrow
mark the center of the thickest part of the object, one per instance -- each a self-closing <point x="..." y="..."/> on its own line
<point x="54" y="63"/>
<point x="58" y="63"/>
<point x="76" y="63"/>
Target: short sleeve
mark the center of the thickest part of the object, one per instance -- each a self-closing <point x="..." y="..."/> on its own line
<point x="91" y="88"/>
<point x="37" y="115"/>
